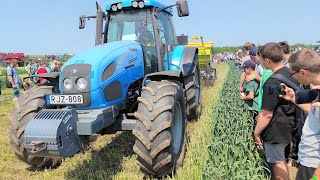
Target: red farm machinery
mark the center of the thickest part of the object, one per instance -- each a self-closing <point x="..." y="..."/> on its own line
<point x="5" y="58"/>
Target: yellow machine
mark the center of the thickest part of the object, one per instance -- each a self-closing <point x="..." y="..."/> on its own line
<point x="206" y="50"/>
<point x="205" y="54"/>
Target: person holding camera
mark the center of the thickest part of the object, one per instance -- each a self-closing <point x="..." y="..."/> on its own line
<point x="305" y="67"/>
<point x="275" y="121"/>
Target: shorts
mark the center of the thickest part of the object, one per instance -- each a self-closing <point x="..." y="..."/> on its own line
<point x="275" y="152"/>
<point x="305" y="172"/>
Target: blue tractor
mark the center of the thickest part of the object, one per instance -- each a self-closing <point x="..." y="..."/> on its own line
<point x="137" y="78"/>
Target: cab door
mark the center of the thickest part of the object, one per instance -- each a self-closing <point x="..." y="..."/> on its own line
<point x="167" y="37"/>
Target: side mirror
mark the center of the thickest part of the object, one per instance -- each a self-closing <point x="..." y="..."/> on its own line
<point x="182" y="8"/>
<point x="82" y="22"/>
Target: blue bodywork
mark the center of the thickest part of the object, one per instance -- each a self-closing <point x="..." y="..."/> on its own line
<point x="124" y="53"/>
<point x="177" y="58"/>
<point x="126" y="3"/>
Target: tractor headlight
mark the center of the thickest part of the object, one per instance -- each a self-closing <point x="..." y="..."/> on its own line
<point x="81" y="83"/>
<point x="119" y="5"/>
<point x="135" y="4"/>
<point x="114" y="7"/>
<point x="141" y="4"/>
<point x="67" y="83"/>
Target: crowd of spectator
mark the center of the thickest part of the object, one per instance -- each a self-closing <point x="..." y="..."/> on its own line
<point x="33" y="68"/>
<point x="271" y="75"/>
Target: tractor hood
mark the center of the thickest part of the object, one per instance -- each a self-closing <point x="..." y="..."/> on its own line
<point x="101" y="64"/>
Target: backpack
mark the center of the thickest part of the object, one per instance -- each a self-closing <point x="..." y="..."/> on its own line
<point x="299" y="118"/>
<point x="300" y="115"/>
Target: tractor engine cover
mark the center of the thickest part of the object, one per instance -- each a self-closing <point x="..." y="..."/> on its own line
<point x="53" y="133"/>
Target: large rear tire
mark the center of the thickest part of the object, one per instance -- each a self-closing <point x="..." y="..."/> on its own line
<point x="193" y="91"/>
<point x="161" y="128"/>
<point x="27" y="106"/>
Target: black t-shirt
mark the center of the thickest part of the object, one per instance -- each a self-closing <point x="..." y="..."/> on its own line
<point x="281" y="125"/>
<point x="271" y="101"/>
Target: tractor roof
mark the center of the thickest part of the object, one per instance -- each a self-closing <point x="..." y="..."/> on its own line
<point x="128" y="3"/>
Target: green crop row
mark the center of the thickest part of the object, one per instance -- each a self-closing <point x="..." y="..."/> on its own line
<point x="232" y="153"/>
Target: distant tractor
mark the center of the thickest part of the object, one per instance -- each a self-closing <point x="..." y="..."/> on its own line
<point x="5" y="58"/>
<point x="137" y="78"/>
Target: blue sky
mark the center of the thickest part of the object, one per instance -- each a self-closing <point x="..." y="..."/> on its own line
<point x="51" y="26"/>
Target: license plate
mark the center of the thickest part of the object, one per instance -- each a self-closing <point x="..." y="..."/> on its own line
<point x="64" y="99"/>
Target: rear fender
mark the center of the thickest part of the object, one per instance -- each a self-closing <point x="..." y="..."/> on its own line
<point x="183" y="59"/>
<point x="168" y="75"/>
<point x="52" y="77"/>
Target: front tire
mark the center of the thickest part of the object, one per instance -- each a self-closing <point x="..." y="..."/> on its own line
<point x="27" y="106"/>
<point x="161" y="128"/>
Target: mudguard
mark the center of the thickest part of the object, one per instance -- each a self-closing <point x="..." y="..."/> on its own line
<point x="183" y="59"/>
<point x="172" y="74"/>
<point x="52" y="77"/>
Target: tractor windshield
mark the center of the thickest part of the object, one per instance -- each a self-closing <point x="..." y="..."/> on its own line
<point x="135" y="25"/>
<point x="131" y="25"/>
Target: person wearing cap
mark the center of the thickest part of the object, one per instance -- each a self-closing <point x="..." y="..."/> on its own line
<point x="259" y="69"/>
<point x="250" y="89"/>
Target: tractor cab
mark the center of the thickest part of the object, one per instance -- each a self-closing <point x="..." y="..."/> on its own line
<point x="147" y="22"/>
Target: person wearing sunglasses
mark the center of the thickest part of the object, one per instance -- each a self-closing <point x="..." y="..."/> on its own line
<point x="305" y="67"/>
